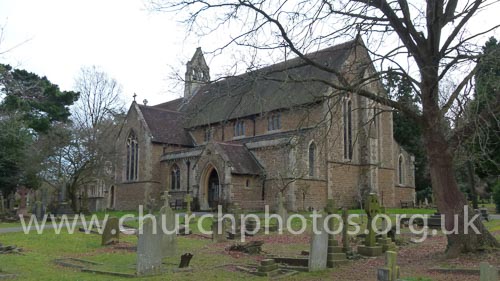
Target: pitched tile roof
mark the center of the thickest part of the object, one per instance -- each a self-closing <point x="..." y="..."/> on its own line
<point x="166" y="125"/>
<point x="266" y="89"/>
<point x="242" y="160"/>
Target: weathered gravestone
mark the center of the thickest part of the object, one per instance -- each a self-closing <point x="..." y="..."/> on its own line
<point x="185" y="260"/>
<point x="188" y="199"/>
<point x="166" y="228"/>
<point x="391" y="271"/>
<point x="149" y="253"/>
<point x="218" y="230"/>
<point x="335" y="254"/>
<point x="319" y="247"/>
<point x="370" y="247"/>
<point x="111" y="232"/>
<point x="345" y="228"/>
<point x="385" y="241"/>
<point x="23" y="192"/>
<point x="488" y="272"/>
<point x="282" y="212"/>
<point x="39" y="210"/>
<point x="2" y="204"/>
<point x="235" y="232"/>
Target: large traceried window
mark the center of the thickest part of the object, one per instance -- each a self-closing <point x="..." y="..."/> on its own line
<point x="401" y="172"/>
<point x="347" y="123"/>
<point x="312" y="158"/>
<point x="175" y="176"/>
<point x="132" y="157"/>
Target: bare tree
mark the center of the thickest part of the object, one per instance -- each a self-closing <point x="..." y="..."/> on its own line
<point x="81" y="159"/>
<point x="427" y="43"/>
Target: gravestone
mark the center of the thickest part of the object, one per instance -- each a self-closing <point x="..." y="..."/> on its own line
<point x="150" y="204"/>
<point x="319" y="247"/>
<point x="282" y="212"/>
<point x="268" y="267"/>
<point x="488" y="272"/>
<point x="111" y="232"/>
<point x="218" y="236"/>
<point x="391" y="271"/>
<point x="385" y="241"/>
<point x="2" y="204"/>
<point x="335" y="254"/>
<point x="188" y="199"/>
<point x="23" y="192"/>
<point x="185" y="260"/>
<point x="370" y="247"/>
<point x="149" y="253"/>
<point x="345" y="227"/>
<point x="167" y="217"/>
<point x="235" y="232"/>
<point x="11" y="200"/>
<point x="39" y="210"/>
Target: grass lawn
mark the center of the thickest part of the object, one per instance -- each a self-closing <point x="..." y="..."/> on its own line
<point x="210" y="262"/>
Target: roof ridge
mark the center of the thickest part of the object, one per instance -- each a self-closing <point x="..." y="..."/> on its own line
<point x="157" y="108"/>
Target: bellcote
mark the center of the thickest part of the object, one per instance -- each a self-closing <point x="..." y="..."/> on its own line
<point x="197" y="74"/>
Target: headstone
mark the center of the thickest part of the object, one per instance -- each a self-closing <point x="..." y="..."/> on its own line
<point x="2" y="204"/>
<point x="235" y="232"/>
<point x="23" y="192"/>
<point x="111" y="232"/>
<point x="370" y="247"/>
<point x="268" y="267"/>
<point x="391" y="271"/>
<point x="218" y="236"/>
<point x="319" y="247"/>
<point x="335" y="254"/>
<point x="167" y="217"/>
<point x="149" y="254"/>
<point x="345" y="227"/>
<point x="488" y="272"/>
<point x="150" y="204"/>
<point x="39" y="211"/>
<point x="282" y="212"/>
<point x="491" y="199"/>
<point x="11" y="201"/>
<point x="385" y="241"/>
<point x="426" y="202"/>
<point x="188" y="199"/>
<point x="185" y="260"/>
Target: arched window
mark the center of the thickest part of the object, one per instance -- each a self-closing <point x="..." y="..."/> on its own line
<point x="401" y="170"/>
<point x="347" y="122"/>
<point x="175" y="176"/>
<point x="312" y="158"/>
<point x="132" y="157"/>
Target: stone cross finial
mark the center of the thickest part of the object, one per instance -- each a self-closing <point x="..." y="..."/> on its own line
<point x="166" y="198"/>
<point x="134" y="96"/>
<point x="188" y="199"/>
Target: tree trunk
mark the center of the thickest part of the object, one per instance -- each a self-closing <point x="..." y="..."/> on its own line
<point x="450" y="200"/>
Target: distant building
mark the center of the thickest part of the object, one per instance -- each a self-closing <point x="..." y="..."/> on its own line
<point x="280" y="128"/>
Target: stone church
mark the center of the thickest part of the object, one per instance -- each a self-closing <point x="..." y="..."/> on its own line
<point x="247" y="138"/>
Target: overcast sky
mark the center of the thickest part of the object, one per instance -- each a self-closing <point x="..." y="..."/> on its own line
<point x="132" y="45"/>
<point x="137" y="48"/>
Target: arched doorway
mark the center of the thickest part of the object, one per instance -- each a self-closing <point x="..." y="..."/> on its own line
<point x="213" y="192"/>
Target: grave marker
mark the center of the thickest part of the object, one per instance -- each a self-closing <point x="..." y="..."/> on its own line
<point x="2" y="204"/>
<point x="319" y="247"/>
<point x="370" y="247"/>
<point x="488" y="272"/>
<point x="391" y="271"/>
<point x="149" y="254"/>
<point x="188" y="199"/>
<point x="111" y="232"/>
<point x="345" y="227"/>
<point x="167" y="217"/>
